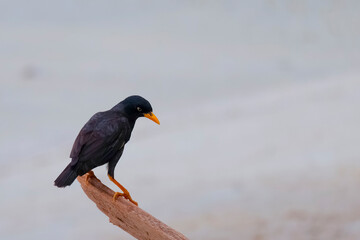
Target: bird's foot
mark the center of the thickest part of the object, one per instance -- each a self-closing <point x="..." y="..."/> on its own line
<point x="126" y="195"/>
<point x="89" y="175"/>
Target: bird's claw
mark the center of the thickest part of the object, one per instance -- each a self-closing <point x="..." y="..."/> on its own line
<point x="126" y="196"/>
<point x="116" y="195"/>
<point x="89" y="175"/>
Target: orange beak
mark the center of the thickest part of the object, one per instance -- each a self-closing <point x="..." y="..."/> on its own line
<point x="152" y="116"/>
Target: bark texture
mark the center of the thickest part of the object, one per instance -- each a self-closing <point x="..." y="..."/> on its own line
<point x="126" y="215"/>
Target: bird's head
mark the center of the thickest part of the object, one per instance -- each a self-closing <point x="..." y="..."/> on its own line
<point x="136" y="106"/>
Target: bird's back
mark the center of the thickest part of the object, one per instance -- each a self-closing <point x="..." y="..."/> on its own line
<point x="100" y="140"/>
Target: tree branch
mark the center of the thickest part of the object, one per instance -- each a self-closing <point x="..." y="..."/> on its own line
<point x="126" y="215"/>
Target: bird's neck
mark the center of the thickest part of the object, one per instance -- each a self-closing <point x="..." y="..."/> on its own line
<point x="120" y="108"/>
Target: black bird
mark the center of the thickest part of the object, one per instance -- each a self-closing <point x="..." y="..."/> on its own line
<point x="102" y="140"/>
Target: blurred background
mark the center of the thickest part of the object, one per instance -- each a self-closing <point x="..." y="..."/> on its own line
<point x="258" y="101"/>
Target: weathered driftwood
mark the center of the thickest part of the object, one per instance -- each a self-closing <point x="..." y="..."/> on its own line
<point x="126" y="215"/>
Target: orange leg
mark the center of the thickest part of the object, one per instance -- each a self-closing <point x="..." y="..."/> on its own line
<point x="89" y="174"/>
<point x="126" y="194"/>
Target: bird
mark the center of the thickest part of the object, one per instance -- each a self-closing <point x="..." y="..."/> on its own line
<point x="102" y="140"/>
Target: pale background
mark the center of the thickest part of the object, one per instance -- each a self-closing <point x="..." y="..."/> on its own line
<point x="259" y="103"/>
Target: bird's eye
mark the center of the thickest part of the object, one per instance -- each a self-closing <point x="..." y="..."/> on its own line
<point x="139" y="109"/>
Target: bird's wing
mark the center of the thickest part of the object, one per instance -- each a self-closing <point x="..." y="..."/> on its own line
<point x="98" y="138"/>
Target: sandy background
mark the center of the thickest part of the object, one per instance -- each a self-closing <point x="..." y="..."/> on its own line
<point x="259" y="105"/>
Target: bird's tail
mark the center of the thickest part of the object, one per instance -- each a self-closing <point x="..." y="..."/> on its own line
<point x="67" y="177"/>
